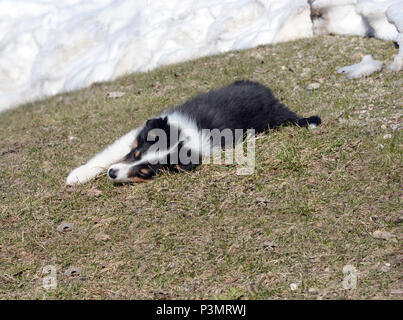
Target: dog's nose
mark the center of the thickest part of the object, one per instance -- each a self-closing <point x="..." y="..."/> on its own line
<point x="112" y="173"/>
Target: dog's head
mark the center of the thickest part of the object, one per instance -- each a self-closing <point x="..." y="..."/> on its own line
<point x="149" y="153"/>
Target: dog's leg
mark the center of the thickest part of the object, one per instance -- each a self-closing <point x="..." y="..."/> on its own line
<point x="311" y="122"/>
<point x="101" y="162"/>
<point x="294" y="119"/>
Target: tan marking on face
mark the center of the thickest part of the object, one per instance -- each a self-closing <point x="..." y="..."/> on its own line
<point x="137" y="154"/>
<point x="145" y="171"/>
<point x="137" y="179"/>
<point x="135" y="144"/>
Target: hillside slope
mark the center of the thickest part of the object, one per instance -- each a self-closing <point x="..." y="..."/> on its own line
<point x="318" y="200"/>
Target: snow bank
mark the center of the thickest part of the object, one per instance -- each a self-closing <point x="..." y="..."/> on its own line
<point x="374" y="11"/>
<point x="338" y="17"/>
<point x="48" y="47"/>
<point x="394" y="15"/>
<point x="55" y="46"/>
<point x="382" y="19"/>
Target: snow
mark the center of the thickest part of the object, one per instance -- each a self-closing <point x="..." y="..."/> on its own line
<point x="375" y="13"/>
<point x="339" y="17"/>
<point x="394" y="15"/>
<point x="48" y="47"/>
<point x="367" y="66"/>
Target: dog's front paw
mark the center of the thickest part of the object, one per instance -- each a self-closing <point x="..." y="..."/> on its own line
<point x="82" y="175"/>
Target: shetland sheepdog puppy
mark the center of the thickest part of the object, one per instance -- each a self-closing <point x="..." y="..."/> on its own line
<point x="181" y="137"/>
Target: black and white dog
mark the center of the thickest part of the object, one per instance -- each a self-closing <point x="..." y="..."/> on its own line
<point x="185" y="132"/>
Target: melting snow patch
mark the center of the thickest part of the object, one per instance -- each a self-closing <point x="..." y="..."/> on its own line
<point x="374" y="11"/>
<point x="394" y="15"/>
<point x="397" y="63"/>
<point x="364" y="68"/>
<point x="338" y="17"/>
<point x="49" y="47"/>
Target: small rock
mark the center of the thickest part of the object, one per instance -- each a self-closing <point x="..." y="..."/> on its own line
<point x="385" y="267"/>
<point x="115" y="94"/>
<point x="383" y="127"/>
<point x="373" y="218"/>
<point x="269" y="244"/>
<point x="313" y="86"/>
<point x="252" y="287"/>
<point x="399" y="220"/>
<point x="65" y="226"/>
<point x="161" y="295"/>
<point x="313" y="291"/>
<point x="95" y="193"/>
<point x="73" y="272"/>
<point x="186" y="214"/>
<point x="379" y="234"/>
<point x="293" y="286"/>
<point x="387" y="136"/>
<point x="261" y="200"/>
<point x="305" y="71"/>
<point x="96" y="220"/>
<point x="396" y="291"/>
<point x="311" y="180"/>
<point x="102" y="237"/>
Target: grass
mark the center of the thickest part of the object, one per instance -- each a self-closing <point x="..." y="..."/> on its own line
<point x="309" y="209"/>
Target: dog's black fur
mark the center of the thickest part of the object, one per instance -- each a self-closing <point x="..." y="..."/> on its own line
<point x="241" y="105"/>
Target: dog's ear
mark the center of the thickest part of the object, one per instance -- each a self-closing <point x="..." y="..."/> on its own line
<point x="157" y="123"/>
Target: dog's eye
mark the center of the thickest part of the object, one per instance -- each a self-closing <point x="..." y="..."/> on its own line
<point x="145" y="172"/>
<point x="135" y="154"/>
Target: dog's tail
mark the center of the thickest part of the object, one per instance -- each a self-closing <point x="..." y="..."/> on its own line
<point x="313" y="121"/>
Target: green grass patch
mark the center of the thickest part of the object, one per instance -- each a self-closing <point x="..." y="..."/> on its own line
<point x="309" y="209"/>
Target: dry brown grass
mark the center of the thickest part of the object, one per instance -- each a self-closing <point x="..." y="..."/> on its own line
<point x="309" y="209"/>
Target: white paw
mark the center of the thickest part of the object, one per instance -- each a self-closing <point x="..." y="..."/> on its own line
<point x="82" y="175"/>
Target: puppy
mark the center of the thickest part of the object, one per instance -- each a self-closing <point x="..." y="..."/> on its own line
<point x="185" y="135"/>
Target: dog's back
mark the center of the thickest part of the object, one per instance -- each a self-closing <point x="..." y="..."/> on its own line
<point x="241" y="105"/>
